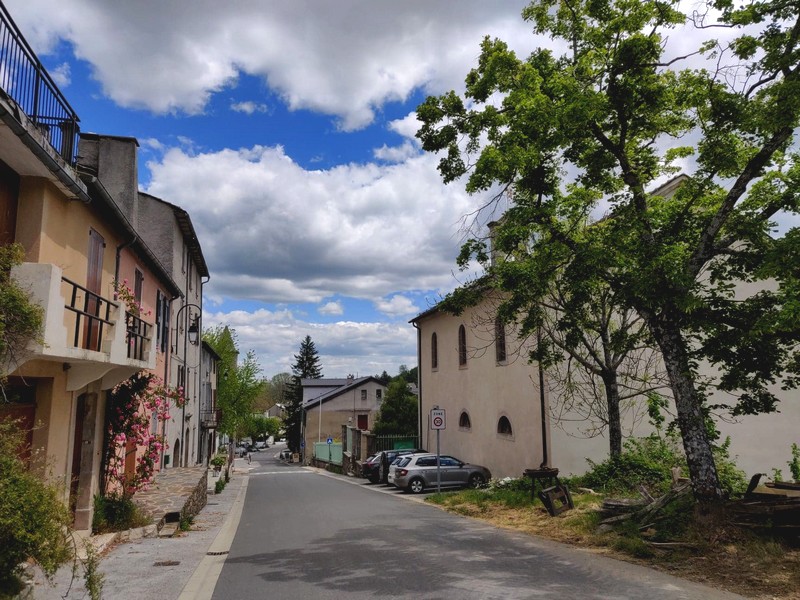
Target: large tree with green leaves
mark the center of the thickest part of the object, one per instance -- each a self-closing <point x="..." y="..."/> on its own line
<point x="604" y="115"/>
<point x="306" y="366"/>
<point x="238" y="385"/>
<point x="398" y="413"/>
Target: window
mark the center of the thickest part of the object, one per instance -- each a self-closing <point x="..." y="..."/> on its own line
<point x="500" y="340"/>
<point x="434" y="352"/>
<point x="464" y="422"/>
<point x="462" y="346"/>
<point x="138" y="283"/>
<point x="378" y="394"/>
<point x="504" y="426"/>
<point x="363" y="395"/>
<point x="426" y="461"/>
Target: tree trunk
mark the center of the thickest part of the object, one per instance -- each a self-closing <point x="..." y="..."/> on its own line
<point x="699" y="457"/>
<point x="614" y="423"/>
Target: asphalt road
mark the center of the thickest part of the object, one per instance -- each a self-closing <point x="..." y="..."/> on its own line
<point x="305" y="535"/>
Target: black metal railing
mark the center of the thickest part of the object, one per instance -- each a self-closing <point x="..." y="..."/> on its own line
<point x="137" y="336"/>
<point x="92" y="314"/>
<point x="27" y="82"/>
<point x="209" y="419"/>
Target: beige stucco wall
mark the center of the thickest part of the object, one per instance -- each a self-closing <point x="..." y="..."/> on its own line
<point x="486" y="390"/>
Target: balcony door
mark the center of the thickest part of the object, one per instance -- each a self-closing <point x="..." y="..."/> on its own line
<point x="94" y="277"/>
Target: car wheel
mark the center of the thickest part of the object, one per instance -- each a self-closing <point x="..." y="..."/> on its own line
<point x="416" y="485"/>
<point x="476" y="480"/>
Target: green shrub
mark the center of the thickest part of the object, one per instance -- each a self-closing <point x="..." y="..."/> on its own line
<point x="794" y="464"/>
<point x="116" y="513"/>
<point x="644" y="461"/>
<point x="219" y="486"/>
<point x="219" y="460"/>
<point x="33" y="519"/>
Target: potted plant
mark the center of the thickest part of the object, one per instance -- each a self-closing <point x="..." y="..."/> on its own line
<point x="218" y="462"/>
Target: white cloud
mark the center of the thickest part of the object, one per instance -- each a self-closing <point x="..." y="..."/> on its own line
<point x="331" y="308"/>
<point x="345" y="58"/>
<point x="249" y="107"/>
<point x="397" y="306"/>
<point x="275" y="232"/>
<point x="61" y="75"/>
<point x="396" y="153"/>
<point x="344" y="347"/>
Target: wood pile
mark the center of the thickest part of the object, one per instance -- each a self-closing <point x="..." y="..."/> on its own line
<point x="774" y="507"/>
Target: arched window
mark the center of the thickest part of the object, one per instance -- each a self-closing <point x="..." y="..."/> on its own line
<point x="464" y="422"/>
<point x="504" y="426"/>
<point x="434" y="352"/>
<point x="462" y="346"/>
<point x="500" y="340"/>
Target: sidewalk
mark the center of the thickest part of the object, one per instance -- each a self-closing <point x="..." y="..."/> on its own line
<point x="159" y="567"/>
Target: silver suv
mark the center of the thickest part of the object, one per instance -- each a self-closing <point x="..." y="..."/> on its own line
<point x="416" y="472"/>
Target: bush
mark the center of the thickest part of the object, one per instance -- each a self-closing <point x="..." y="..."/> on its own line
<point x="219" y="486"/>
<point x="116" y="513"/>
<point x="644" y="461"/>
<point x="33" y="519"/>
<point x="219" y="460"/>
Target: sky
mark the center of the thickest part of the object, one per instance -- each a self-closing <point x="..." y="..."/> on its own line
<point x="286" y="130"/>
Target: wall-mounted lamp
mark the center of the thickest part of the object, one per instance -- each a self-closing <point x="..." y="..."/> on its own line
<point x="194" y="331"/>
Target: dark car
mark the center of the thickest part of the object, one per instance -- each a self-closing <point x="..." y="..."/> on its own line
<point x="376" y="467"/>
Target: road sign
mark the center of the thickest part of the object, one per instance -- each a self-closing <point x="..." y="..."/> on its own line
<point x="438" y="419"/>
<point x="302" y="443"/>
<point x="330" y="441"/>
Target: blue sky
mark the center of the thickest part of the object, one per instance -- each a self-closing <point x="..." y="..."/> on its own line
<point x="286" y="130"/>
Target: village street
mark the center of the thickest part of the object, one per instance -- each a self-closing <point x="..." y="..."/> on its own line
<point x="280" y="531"/>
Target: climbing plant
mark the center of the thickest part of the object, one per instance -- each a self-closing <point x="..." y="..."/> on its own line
<point x="132" y="407"/>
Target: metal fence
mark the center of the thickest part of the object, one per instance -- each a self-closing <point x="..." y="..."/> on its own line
<point x="330" y="453"/>
<point x="376" y="443"/>
<point x="28" y="84"/>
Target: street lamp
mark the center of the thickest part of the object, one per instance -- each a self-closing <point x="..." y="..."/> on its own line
<point x="192" y="336"/>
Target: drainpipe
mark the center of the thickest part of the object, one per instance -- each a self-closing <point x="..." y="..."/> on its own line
<point x="419" y="380"/>
<point x="542" y="402"/>
<point x="120" y="248"/>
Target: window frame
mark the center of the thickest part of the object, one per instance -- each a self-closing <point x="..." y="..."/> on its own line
<point x="462" y="346"/>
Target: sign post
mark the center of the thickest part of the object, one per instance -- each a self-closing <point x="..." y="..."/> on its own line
<point x="438" y="423"/>
<point x="330" y="441"/>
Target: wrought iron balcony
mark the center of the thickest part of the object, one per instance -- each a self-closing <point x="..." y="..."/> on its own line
<point x="29" y="85"/>
<point x="138" y="336"/>
<point x="209" y="419"/>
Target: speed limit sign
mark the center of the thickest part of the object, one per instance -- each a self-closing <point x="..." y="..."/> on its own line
<point x="437" y="419"/>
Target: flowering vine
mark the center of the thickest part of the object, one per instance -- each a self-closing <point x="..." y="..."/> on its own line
<point x="131" y="406"/>
<point x="125" y="294"/>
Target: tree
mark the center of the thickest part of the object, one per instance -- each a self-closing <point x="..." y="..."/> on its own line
<point x="601" y="366"/>
<point x="259" y="427"/>
<point x="408" y="375"/>
<point x="606" y="121"/>
<point x="398" y="413"/>
<point x="239" y="385"/>
<point x="277" y="389"/>
<point x="384" y="378"/>
<point x="306" y="366"/>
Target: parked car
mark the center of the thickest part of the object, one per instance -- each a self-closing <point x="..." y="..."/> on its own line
<point x="369" y="467"/>
<point x="241" y="450"/>
<point x="261" y="445"/>
<point x="417" y="472"/>
<point x="376" y="467"/>
<point x="286" y="454"/>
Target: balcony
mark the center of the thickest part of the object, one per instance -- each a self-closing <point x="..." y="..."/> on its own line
<point x="30" y="87"/>
<point x="92" y="335"/>
<point x="209" y="419"/>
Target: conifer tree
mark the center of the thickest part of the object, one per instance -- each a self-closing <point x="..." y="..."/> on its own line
<point x="306" y="366"/>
